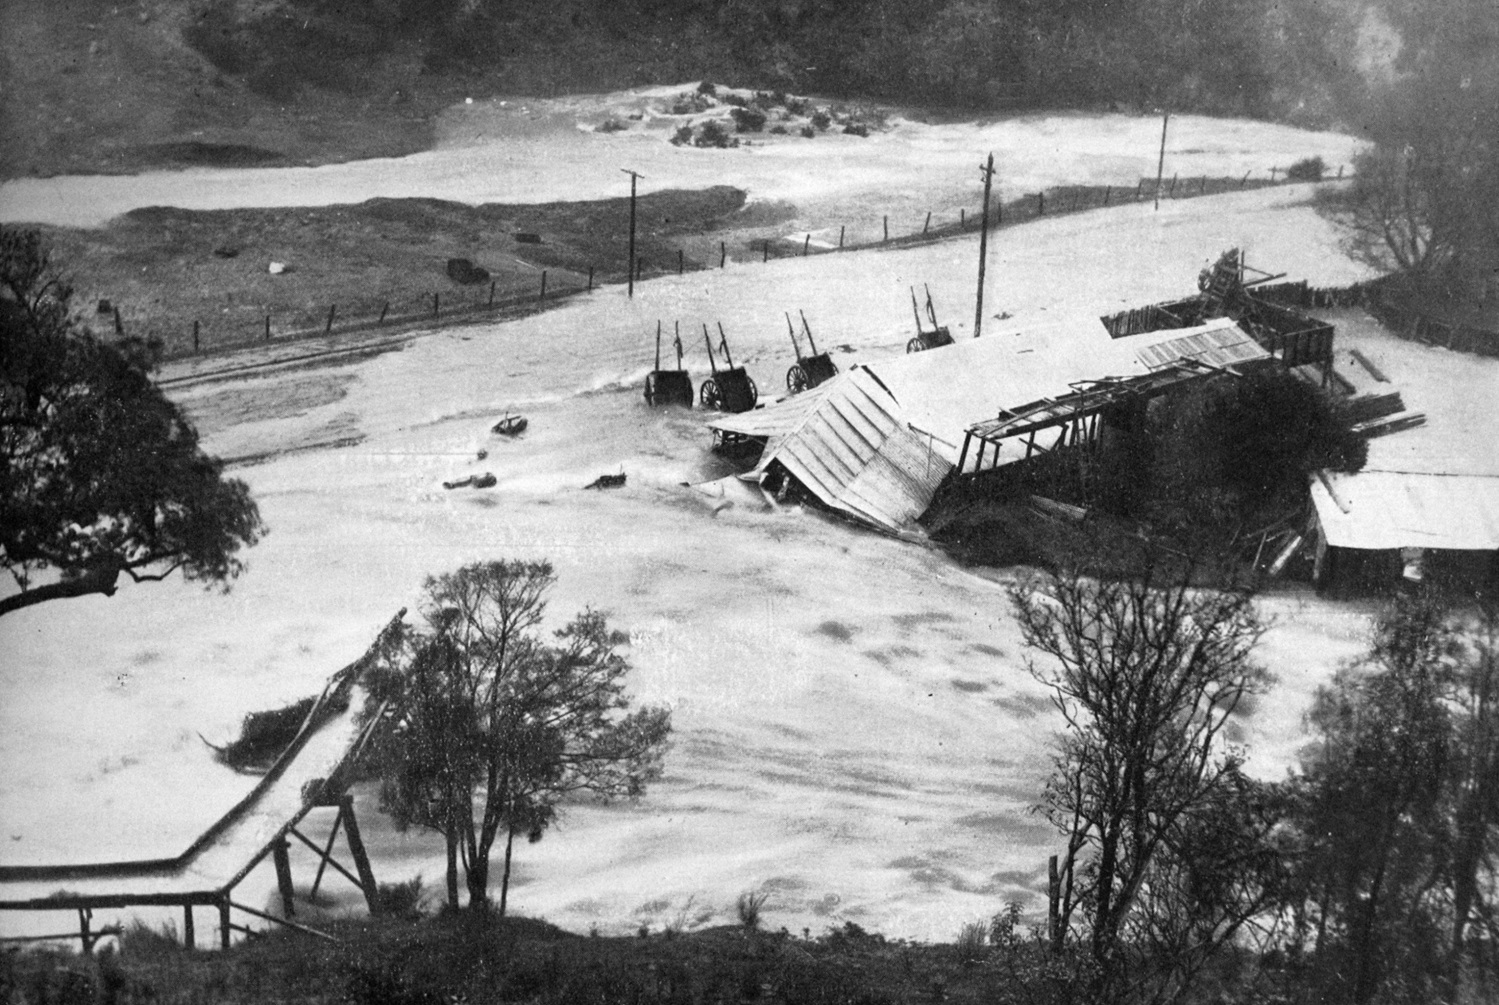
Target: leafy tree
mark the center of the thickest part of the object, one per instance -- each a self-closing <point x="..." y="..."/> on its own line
<point x="103" y="475"/>
<point x="492" y="726"/>
<point x="1161" y="824"/>
<point x="1399" y="807"/>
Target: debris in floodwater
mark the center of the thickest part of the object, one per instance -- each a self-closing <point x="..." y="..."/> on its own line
<point x="484" y="481"/>
<point x="511" y="425"/>
<point x="607" y="482"/>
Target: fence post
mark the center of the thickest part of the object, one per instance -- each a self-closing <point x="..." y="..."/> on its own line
<point x="119" y="325"/>
<point x="1245" y="180"/>
<point x="806" y="245"/>
<point x="1340" y="170"/>
<point x="437" y="305"/>
<point x="840" y="235"/>
<point x="1107" y="191"/>
<point x="590" y="277"/>
<point x="195" y="336"/>
<point x="679" y="261"/>
<point x="1172" y="194"/>
<point x="383" y="311"/>
<point x="723" y="253"/>
<point x="491" y="289"/>
<point x="887" y="237"/>
<point x="332" y="309"/>
<point x="765" y="251"/>
<point x="1272" y="174"/>
<point x="1053" y="905"/>
<point x="962" y="218"/>
<point x="1040" y="203"/>
<point x="267" y="327"/>
<point x="928" y="223"/>
<point x="543" y="285"/>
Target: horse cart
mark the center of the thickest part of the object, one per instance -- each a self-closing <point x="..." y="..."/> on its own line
<point x="668" y="387"/>
<point x="938" y="337"/>
<point x="808" y="371"/>
<point x="730" y="389"/>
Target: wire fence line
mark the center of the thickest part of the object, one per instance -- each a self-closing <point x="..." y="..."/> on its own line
<point x="463" y="304"/>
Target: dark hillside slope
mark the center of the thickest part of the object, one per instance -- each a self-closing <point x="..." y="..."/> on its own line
<point x="99" y="85"/>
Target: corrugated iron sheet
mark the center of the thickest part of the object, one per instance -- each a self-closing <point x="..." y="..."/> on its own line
<point x="1219" y="343"/>
<point x="1398" y="509"/>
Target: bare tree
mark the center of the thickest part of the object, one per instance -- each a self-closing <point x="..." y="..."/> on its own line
<point x="1147" y="674"/>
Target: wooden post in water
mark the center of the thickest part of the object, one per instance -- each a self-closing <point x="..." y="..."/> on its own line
<point x="195" y="336"/>
<point x="633" y="177"/>
<point x="887" y="237"/>
<point x="723" y="253"/>
<point x="1160" y="164"/>
<point x="282" y="860"/>
<point x="543" y="285"/>
<point x="978" y="308"/>
<point x="840" y="234"/>
<point x="333" y="309"/>
<point x="962" y="218"/>
<point x="590" y="277"/>
<point x="766" y="249"/>
<point x="927" y="225"/>
<point x="491" y="290"/>
<point x="1245" y="180"/>
<point x="383" y="311"/>
<point x="361" y="859"/>
<point x="806" y="245"/>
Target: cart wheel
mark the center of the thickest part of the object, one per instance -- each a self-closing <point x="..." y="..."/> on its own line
<point x="796" y="379"/>
<point x="754" y="391"/>
<point x="709" y="395"/>
<point x="914" y="345"/>
<point x="650" y="389"/>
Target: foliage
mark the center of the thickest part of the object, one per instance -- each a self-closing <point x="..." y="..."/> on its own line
<point x="748" y="120"/>
<point x="103" y="476"/>
<point x="264" y="735"/>
<point x="492" y="726"/>
<point x="1232" y="448"/>
<point x="406" y="900"/>
<point x="856" y="129"/>
<point x="714" y="134"/>
<point x="1167" y="839"/>
<point x="1398" y="810"/>
<point x="748" y="907"/>
<point x="821" y="119"/>
<point x="1307" y="169"/>
<point x="969" y="944"/>
<point x="613" y="125"/>
<point x="682" y="136"/>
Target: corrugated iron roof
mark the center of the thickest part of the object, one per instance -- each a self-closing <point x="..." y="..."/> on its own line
<point x="1406" y="509"/>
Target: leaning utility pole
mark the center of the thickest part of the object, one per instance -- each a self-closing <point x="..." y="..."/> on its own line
<point x="1160" y="165"/>
<point x="633" y="176"/>
<point x="978" y="310"/>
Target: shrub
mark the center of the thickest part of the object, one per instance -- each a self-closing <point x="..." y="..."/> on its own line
<point x="612" y="125"/>
<point x="1307" y="169"/>
<point x="970" y="942"/>
<point x="707" y="88"/>
<point x="778" y="130"/>
<point x="748" y="909"/>
<point x="682" y="135"/>
<point x="748" y="120"/>
<point x="714" y="134"/>
<point x="808" y="132"/>
<point x="856" y="129"/>
<point x="734" y="99"/>
<point x="821" y="119"/>
<point x="407" y="901"/>
<point x="691" y="103"/>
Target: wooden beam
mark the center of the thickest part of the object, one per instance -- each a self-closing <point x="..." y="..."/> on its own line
<point x="279" y="921"/>
<point x="189" y="938"/>
<point x="282" y="860"/>
<point x="361" y="860"/>
<point x="328" y="860"/>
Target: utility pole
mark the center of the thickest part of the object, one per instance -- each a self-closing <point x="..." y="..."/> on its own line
<point x="978" y="310"/>
<point x="633" y="176"/>
<point x="1160" y="166"/>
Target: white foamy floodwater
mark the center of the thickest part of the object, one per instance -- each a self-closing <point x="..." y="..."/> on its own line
<point x="855" y="729"/>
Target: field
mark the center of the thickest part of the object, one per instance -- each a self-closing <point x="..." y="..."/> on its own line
<point x="857" y="734"/>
